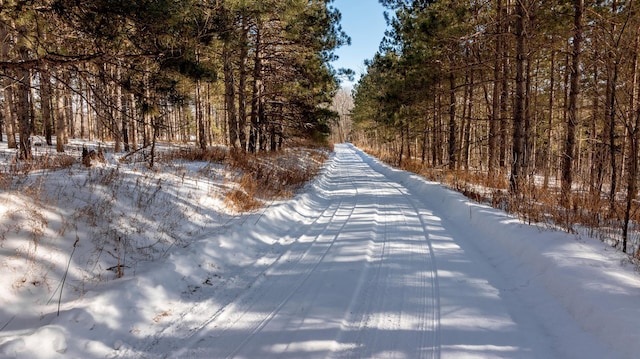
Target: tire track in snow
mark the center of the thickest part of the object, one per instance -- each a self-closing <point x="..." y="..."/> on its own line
<point x="386" y="304"/>
<point x="379" y="316"/>
<point x="241" y="307"/>
<point x="367" y="296"/>
<point x="294" y="289"/>
<point x="158" y="342"/>
<point x="432" y="300"/>
<point x="429" y="278"/>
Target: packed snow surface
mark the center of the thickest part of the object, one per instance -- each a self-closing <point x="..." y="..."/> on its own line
<point x="366" y="262"/>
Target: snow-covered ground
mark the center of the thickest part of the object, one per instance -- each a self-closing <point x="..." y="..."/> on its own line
<point x="367" y="261"/>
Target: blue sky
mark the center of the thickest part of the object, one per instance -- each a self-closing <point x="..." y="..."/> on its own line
<point x="363" y="21"/>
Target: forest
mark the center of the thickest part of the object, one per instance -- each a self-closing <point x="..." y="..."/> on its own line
<point x="247" y="74"/>
<point x="531" y="105"/>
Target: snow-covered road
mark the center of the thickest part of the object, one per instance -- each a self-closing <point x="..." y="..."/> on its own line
<point x="359" y="279"/>
<point x="370" y="263"/>
<point x="366" y="262"/>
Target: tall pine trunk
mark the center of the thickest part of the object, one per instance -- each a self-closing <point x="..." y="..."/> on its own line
<point x="610" y="112"/>
<point x="46" y="104"/>
<point x="229" y="95"/>
<point x="452" y="122"/>
<point x="548" y="157"/>
<point x="202" y="133"/>
<point x="466" y="119"/>
<point x="519" y="101"/>
<point x="572" y="111"/>
<point x="68" y="107"/>
<point x="495" y="100"/>
<point x="8" y="107"/>
<point x="257" y="106"/>
<point x="25" y="122"/>
<point x="9" y="112"/>
<point x="632" y="131"/>
<point x="60" y="118"/>
<point x="242" y="86"/>
<point x="504" y="85"/>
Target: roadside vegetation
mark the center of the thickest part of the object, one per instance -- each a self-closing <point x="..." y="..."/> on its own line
<point x="531" y="106"/>
<point x="65" y="220"/>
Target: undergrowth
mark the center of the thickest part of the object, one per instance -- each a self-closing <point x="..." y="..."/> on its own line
<point x="255" y="178"/>
<point x="123" y="213"/>
<point x="210" y="154"/>
<point x="266" y="176"/>
<point x="48" y="161"/>
<point x="591" y="212"/>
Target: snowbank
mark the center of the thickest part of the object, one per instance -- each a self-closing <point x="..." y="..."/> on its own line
<point x="590" y="280"/>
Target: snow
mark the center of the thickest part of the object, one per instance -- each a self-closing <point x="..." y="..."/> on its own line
<point x="366" y="261"/>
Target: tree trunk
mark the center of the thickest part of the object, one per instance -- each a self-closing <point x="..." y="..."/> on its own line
<point x="257" y="107"/>
<point x="437" y="131"/>
<point x="547" y="165"/>
<point x="46" y="96"/>
<point x="425" y="141"/>
<point x="504" y="87"/>
<point x="572" y="120"/>
<point x="452" y="122"/>
<point x="2" y="124"/>
<point x="70" y="130"/>
<point x="9" y="113"/>
<point x="82" y="115"/>
<point x="632" y="179"/>
<point x="202" y="135"/>
<point x="408" y="141"/>
<point x="466" y="120"/>
<point x="518" y="105"/>
<point x="117" y="116"/>
<point x="633" y="129"/>
<point x="8" y="107"/>
<point x="526" y="134"/>
<point x="401" y="149"/>
<point x="242" y="87"/>
<point x="272" y="140"/>
<point x="25" y="122"/>
<point x="60" y="119"/>
<point x="124" y="116"/>
<point x="492" y="160"/>
<point x="229" y="95"/>
<point x="596" y="151"/>
<point x="133" y="113"/>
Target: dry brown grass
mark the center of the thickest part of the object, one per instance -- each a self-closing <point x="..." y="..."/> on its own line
<point x="211" y="154"/>
<point x="242" y="197"/>
<point x="257" y="178"/>
<point x="309" y="144"/>
<point x="5" y="181"/>
<point x="533" y="203"/>
<point x="271" y="176"/>
<point x="260" y="177"/>
<point x="46" y="162"/>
